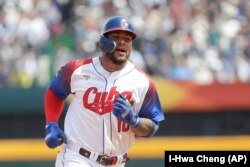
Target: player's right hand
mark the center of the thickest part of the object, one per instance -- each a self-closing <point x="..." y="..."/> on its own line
<point x="54" y="135"/>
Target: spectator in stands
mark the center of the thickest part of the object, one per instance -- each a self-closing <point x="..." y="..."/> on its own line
<point x="214" y="33"/>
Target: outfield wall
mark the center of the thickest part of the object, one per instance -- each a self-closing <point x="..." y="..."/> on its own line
<point x="198" y="117"/>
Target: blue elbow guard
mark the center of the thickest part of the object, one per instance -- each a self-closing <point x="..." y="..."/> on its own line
<point x="153" y="131"/>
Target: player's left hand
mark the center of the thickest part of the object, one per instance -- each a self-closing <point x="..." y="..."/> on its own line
<point x="123" y="110"/>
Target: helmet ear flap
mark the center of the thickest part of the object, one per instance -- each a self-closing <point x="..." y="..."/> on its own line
<point x="106" y="45"/>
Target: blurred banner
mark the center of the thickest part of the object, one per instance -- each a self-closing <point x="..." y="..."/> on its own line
<point x="175" y="96"/>
<point x="187" y="96"/>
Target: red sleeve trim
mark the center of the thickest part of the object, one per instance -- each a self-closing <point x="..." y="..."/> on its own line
<point x="53" y="106"/>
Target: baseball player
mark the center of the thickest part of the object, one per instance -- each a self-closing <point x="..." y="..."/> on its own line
<point x="114" y="101"/>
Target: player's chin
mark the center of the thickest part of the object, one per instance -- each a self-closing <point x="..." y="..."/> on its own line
<point x="119" y="60"/>
<point x="120" y="57"/>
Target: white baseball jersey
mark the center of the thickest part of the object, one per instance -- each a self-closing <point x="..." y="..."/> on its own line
<point x="89" y="120"/>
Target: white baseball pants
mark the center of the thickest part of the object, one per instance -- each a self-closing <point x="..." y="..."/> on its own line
<point x="69" y="158"/>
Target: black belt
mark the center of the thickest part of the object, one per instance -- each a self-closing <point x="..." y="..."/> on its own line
<point x="104" y="160"/>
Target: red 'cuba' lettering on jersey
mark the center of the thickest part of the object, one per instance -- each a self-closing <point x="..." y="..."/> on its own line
<point x="103" y="102"/>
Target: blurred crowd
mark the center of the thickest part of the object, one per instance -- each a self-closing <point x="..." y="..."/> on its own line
<point x="202" y="41"/>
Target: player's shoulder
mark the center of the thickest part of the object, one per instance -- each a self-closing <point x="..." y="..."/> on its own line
<point x="143" y="74"/>
<point x="141" y="71"/>
<point x="72" y="65"/>
<point x="75" y="63"/>
<point x="79" y="62"/>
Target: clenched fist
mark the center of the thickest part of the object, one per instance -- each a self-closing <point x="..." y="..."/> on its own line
<point x="123" y="110"/>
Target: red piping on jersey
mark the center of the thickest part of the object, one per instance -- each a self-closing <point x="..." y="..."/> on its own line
<point x="53" y="106"/>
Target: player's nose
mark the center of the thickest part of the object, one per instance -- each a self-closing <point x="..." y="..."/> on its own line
<point x="121" y="41"/>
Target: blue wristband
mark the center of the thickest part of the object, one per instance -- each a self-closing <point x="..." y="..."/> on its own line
<point x="135" y="121"/>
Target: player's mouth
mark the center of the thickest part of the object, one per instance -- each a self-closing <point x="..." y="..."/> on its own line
<point x="121" y="51"/>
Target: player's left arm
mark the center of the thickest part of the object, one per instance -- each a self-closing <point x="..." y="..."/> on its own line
<point x="147" y="128"/>
<point x="146" y="122"/>
<point x="150" y="114"/>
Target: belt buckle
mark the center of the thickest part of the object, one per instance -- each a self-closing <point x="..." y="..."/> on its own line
<point x="102" y="161"/>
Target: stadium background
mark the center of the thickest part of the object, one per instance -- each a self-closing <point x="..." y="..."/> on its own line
<point x="197" y="51"/>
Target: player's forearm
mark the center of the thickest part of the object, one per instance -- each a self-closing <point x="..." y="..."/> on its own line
<point x="53" y="106"/>
<point x="144" y="129"/>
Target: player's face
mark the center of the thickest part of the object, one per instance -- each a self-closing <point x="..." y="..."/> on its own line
<point x="123" y="47"/>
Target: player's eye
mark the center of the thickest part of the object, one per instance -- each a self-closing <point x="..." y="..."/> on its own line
<point x="118" y="37"/>
<point x="127" y="39"/>
<point x="115" y="37"/>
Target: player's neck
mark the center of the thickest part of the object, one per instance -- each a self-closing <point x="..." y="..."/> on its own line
<point x="109" y="66"/>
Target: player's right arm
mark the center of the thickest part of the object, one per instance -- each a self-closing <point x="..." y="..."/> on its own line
<point x="53" y="109"/>
<point x="55" y="94"/>
<point x="57" y="91"/>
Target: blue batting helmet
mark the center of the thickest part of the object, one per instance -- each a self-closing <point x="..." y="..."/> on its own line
<point x="117" y="23"/>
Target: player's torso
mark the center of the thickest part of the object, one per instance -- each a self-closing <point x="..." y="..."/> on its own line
<point x="89" y="120"/>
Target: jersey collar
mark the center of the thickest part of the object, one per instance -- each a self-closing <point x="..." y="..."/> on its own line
<point x="96" y="62"/>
